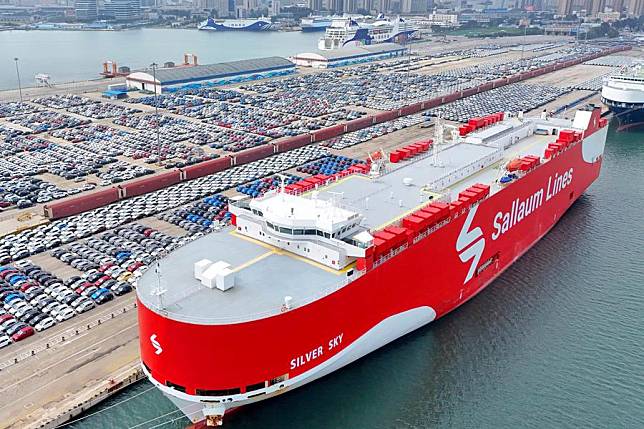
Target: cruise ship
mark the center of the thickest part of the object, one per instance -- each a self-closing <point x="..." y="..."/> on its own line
<point x="623" y="93"/>
<point x="315" y="23"/>
<point x="259" y="24"/>
<point x="347" y="31"/>
<point x="317" y="274"/>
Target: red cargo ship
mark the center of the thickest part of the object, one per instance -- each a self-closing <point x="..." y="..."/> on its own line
<point x="311" y="278"/>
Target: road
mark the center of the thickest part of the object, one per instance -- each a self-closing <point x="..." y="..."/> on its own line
<point x="41" y="383"/>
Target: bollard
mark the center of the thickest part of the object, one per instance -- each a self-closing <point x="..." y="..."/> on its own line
<point x="123" y="310"/>
<point x="99" y="321"/>
<point x="135" y="305"/>
<point x="15" y="360"/>
<point x="89" y="327"/>
<point x="112" y="315"/>
<point x="47" y="345"/>
<point x="63" y="339"/>
<point x="77" y="332"/>
<point x="33" y="353"/>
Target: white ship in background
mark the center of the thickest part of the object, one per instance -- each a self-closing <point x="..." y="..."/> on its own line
<point x="258" y="24"/>
<point x="315" y="23"/>
<point x="347" y="31"/>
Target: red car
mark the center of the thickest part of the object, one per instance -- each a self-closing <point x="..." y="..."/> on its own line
<point x="6" y="317"/>
<point x="6" y="273"/>
<point x="134" y="266"/>
<point x="105" y="267"/>
<point x="25" y="332"/>
<point x="101" y="280"/>
<point x="25" y="287"/>
<point x="79" y="290"/>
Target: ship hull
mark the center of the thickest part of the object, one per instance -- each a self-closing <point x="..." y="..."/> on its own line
<point x="422" y="282"/>
<point x="629" y="118"/>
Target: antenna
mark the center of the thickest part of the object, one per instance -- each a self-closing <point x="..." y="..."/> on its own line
<point x="158" y="291"/>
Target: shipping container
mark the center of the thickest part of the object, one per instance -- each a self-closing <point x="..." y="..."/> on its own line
<point x="394" y="156"/>
<point x="150" y="184"/>
<point x="411" y="109"/>
<point x="292" y="143"/>
<point x="413" y="223"/>
<point x="250" y="155"/>
<point x="327" y="133"/>
<point x="385" y="116"/>
<point x="207" y="167"/>
<point x="82" y="203"/>
<point x="358" y="124"/>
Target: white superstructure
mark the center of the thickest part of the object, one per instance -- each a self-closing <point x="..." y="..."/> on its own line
<point x="346" y="31"/>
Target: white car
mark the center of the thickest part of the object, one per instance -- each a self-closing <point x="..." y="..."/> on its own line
<point x="22" y="310"/>
<point x="65" y="313"/>
<point x="45" y="323"/>
<point x="4" y="341"/>
<point x="65" y="293"/>
<point x="18" y="305"/>
<point x="85" y="306"/>
<point x="23" y="264"/>
<point x="52" y="287"/>
<point x="49" y="308"/>
<point x="7" y="323"/>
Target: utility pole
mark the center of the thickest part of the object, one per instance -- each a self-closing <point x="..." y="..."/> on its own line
<point x="18" y="74"/>
<point x="156" y="111"/>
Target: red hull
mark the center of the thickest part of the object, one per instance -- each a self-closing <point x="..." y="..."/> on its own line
<point x="430" y="273"/>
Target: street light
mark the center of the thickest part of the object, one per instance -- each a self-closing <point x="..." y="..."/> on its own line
<point x="156" y="111"/>
<point x="18" y="74"/>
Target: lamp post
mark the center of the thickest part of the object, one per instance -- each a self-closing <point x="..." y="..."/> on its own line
<point x="156" y="111"/>
<point x="18" y="74"/>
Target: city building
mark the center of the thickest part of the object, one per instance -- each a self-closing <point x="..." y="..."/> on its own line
<point x="86" y="10"/>
<point x="220" y="73"/>
<point x="124" y="10"/>
<point x="443" y="20"/>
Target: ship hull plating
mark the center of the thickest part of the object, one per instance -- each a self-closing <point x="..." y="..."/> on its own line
<point x="214" y="368"/>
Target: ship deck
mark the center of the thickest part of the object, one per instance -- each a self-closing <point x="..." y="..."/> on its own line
<point x="264" y="275"/>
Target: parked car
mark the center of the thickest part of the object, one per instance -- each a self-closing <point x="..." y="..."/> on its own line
<point x="45" y="323"/>
<point x="4" y="341"/>
<point x="24" y="332"/>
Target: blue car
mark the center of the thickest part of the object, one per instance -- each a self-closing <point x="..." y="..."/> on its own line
<point x="13" y="297"/>
<point x="99" y="292"/>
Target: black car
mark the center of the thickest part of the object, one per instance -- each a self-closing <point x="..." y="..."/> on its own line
<point x="70" y="298"/>
<point x="122" y="289"/>
<point x="14" y="328"/>
<point x="34" y="292"/>
<point x="38" y="318"/>
<point x="71" y="280"/>
<point x="106" y="297"/>
<point x="29" y="315"/>
<point x="44" y="301"/>
<point x="92" y="278"/>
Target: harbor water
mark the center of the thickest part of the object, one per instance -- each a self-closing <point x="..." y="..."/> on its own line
<point x="78" y="55"/>
<point x="555" y="342"/>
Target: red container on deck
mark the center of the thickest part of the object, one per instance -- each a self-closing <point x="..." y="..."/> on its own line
<point x="404" y="153"/>
<point x="455" y="207"/>
<point x="473" y="123"/>
<point x="394" y="157"/>
<point x="463" y="130"/>
<point x="413" y="223"/>
<point x="425" y="216"/>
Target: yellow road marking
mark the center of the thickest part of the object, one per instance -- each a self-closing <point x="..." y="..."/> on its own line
<point x="252" y="240"/>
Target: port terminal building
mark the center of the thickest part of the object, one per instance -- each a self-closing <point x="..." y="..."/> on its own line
<point x="170" y="79"/>
<point x="323" y="59"/>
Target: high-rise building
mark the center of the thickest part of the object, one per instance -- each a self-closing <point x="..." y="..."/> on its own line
<point x="597" y="6"/>
<point x="336" y="6"/>
<point x="636" y="7"/>
<point x="124" y="10"/>
<point x="275" y="7"/>
<point x="315" y="5"/>
<point x="86" y="10"/>
<point x="565" y="7"/>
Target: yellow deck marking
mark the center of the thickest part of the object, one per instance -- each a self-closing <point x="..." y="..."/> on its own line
<point x="253" y="261"/>
<point x="277" y="251"/>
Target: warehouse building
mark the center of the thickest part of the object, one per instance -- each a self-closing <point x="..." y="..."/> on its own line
<point x="349" y="55"/>
<point x="174" y="78"/>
